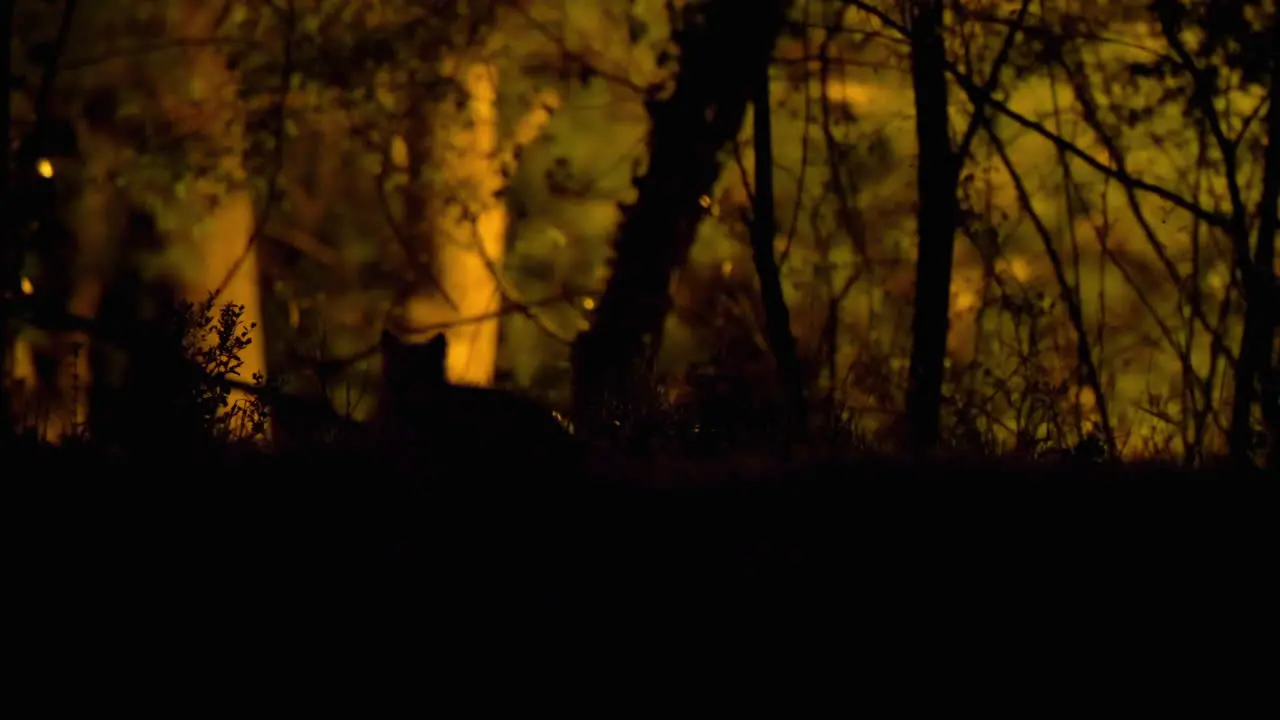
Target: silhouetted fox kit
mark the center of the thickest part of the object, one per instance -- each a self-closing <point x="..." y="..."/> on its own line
<point x="427" y="418"/>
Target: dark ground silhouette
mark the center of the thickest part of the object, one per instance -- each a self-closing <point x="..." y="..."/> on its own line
<point x="345" y="543"/>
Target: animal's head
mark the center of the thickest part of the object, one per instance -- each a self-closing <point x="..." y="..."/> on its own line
<point x="422" y="363"/>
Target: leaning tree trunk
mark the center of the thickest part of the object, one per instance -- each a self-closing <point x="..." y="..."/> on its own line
<point x="724" y="46"/>
<point x="937" y="175"/>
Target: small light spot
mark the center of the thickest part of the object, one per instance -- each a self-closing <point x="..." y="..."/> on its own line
<point x="705" y="201"/>
<point x="1020" y="268"/>
<point x="45" y="168"/>
<point x="726" y="268"/>
<point x="399" y="152"/>
<point x="963" y="301"/>
<point x="588" y="304"/>
<point x="27" y="287"/>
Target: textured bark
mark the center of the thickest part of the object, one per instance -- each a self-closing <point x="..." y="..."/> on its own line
<point x="938" y="174"/>
<point x="724" y="46"/>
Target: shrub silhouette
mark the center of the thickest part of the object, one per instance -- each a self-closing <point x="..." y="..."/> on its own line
<point x="173" y="394"/>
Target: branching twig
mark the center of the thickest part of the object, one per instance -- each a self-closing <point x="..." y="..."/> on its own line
<point x="1065" y="290"/>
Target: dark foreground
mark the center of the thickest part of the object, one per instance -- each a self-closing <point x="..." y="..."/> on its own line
<point x="318" y="560"/>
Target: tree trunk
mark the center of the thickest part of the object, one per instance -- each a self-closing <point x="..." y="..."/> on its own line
<point x="1257" y="341"/>
<point x="222" y="237"/>
<point x="937" y="176"/>
<point x="28" y="197"/>
<point x="422" y="306"/>
<point x="764" y="229"/>
<point x="202" y="236"/>
<point x="721" y="55"/>
<point x="463" y="223"/>
<point x="472" y="233"/>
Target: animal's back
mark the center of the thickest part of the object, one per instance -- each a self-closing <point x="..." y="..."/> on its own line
<point x="481" y="435"/>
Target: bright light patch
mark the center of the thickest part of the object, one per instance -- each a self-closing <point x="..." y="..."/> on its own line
<point x="1020" y="269"/>
<point x="964" y="301"/>
<point x="27" y="287"/>
<point x="45" y="168"/>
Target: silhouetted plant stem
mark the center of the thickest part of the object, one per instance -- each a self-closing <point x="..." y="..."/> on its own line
<point x="1084" y="356"/>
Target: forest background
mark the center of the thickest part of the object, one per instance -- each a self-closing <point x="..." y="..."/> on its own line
<point x="1084" y="191"/>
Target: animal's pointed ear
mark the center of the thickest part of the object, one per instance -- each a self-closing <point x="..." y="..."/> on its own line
<point x="437" y="353"/>
<point x="438" y="346"/>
